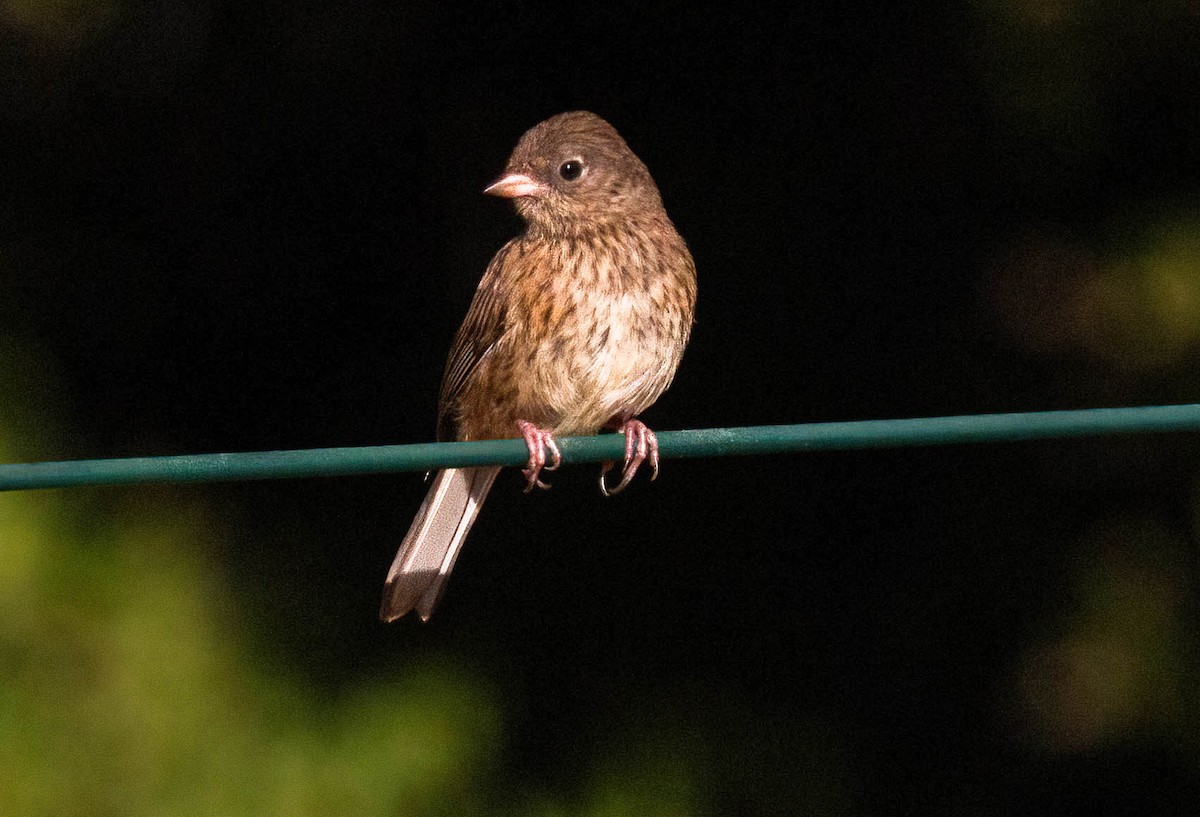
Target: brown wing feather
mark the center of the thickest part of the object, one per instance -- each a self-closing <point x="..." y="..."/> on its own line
<point x="481" y="329"/>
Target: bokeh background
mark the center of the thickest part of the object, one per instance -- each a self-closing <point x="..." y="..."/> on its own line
<point x="241" y="226"/>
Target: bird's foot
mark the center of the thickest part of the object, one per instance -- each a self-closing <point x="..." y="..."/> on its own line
<point x="640" y="443"/>
<point x="539" y="441"/>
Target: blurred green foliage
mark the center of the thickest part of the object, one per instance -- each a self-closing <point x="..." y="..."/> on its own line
<point x="1119" y="662"/>
<point x="1128" y="304"/>
<point x="126" y="685"/>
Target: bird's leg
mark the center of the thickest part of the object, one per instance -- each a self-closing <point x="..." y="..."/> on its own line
<point x="539" y="441"/>
<point x="640" y="443"/>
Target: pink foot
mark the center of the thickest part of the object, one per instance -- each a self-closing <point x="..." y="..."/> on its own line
<point x="539" y="441"/>
<point x="640" y="443"/>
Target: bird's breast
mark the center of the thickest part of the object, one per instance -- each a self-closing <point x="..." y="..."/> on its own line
<point x="600" y="335"/>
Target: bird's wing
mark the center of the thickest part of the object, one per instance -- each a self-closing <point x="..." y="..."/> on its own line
<point x="481" y="329"/>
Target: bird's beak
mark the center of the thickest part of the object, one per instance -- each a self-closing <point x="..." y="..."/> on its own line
<point x="514" y="186"/>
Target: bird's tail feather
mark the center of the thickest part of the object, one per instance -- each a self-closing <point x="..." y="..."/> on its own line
<point x="427" y="554"/>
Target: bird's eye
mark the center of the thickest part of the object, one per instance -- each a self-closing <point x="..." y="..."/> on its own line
<point x="571" y="169"/>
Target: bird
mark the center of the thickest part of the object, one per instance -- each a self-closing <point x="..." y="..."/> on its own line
<point x="578" y="325"/>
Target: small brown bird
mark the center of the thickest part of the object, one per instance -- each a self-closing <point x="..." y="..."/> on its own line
<point x="578" y="325"/>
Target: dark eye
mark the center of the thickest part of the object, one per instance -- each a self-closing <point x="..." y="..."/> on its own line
<point x="571" y="169"/>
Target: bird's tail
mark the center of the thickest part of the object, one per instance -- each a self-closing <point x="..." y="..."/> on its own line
<point x="427" y="554"/>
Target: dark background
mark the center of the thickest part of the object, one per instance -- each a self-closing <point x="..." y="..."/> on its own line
<point x="248" y="226"/>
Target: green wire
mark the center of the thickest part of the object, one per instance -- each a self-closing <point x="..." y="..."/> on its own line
<point x="714" y="442"/>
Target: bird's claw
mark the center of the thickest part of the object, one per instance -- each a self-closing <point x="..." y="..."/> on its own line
<point x="539" y="441"/>
<point x="640" y="444"/>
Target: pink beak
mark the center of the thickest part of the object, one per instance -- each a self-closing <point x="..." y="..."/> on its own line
<point x="514" y="186"/>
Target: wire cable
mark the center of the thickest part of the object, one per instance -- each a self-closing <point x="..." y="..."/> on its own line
<point x="712" y="442"/>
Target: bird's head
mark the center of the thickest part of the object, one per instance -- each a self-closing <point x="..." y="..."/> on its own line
<point x="574" y="172"/>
